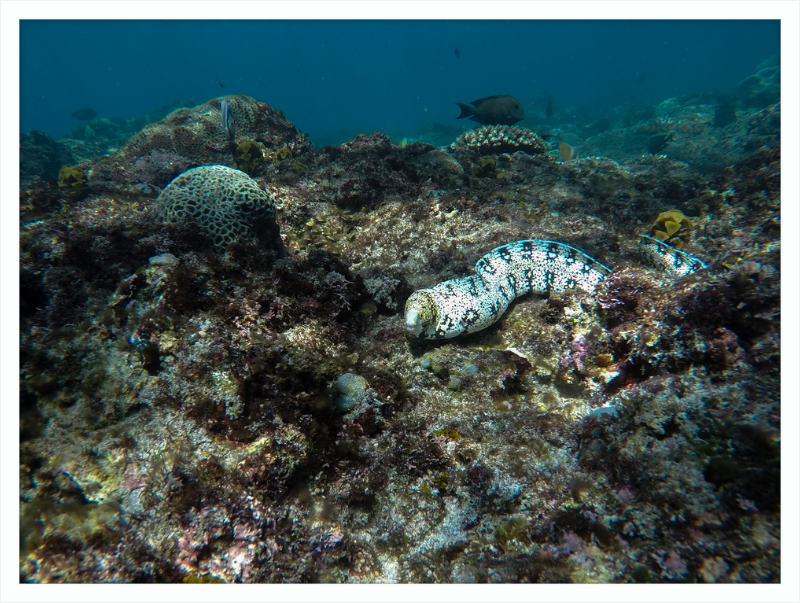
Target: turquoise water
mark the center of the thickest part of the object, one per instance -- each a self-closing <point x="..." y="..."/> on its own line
<point x="335" y="79"/>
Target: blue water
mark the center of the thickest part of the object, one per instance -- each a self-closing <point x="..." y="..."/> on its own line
<point x="334" y="79"/>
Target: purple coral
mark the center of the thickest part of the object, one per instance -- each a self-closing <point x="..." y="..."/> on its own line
<point x="576" y="355"/>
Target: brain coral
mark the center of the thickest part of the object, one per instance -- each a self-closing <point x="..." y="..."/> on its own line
<point x="195" y="136"/>
<point x="223" y="203"/>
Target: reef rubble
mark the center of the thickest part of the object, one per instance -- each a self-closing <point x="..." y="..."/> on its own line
<point x="258" y="413"/>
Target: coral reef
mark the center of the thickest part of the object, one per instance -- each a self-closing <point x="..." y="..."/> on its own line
<point x="492" y="140"/>
<point x="245" y="413"/>
<point x="40" y="158"/>
<point x="763" y="88"/>
<point x="157" y="169"/>
<point x="249" y="158"/>
<point x="689" y="129"/>
<point x="366" y="171"/>
<point x="196" y="136"/>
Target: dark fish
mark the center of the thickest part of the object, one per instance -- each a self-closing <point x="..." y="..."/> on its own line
<point x="84" y="114"/>
<point x="458" y="53"/>
<point x="724" y="114"/>
<point x="221" y="85"/>
<point x="659" y="142"/>
<point x="227" y="119"/>
<point x="501" y="109"/>
<point x="549" y="110"/>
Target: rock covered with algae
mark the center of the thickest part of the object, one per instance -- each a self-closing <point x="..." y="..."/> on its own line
<point x="185" y="415"/>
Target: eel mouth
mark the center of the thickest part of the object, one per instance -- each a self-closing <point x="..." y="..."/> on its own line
<point x="413" y="322"/>
<point x="421" y="313"/>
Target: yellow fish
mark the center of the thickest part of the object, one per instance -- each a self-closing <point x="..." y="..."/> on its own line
<point x="567" y="151"/>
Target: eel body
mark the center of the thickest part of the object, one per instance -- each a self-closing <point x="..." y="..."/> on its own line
<point x="470" y="304"/>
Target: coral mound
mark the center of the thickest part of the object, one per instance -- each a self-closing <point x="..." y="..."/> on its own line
<point x="491" y="140"/>
<point x="196" y="136"/>
<point x="225" y="204"/>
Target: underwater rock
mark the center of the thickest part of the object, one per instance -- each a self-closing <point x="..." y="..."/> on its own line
<point x="351" y="391"/>
<point x="158" y="168"/>
<point x="763" y="88"/>
<point x="659" y="142"/>
<point x="165" y="259"/>
<point x="724" y="114"/>
<point x="365" y="171"/>
<point x="40" y="158"/>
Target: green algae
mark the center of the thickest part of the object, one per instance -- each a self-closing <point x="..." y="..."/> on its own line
<point x="486" y="168"/>
<point x="672" y="227"/>
<point x="249" y="158"/>
<point x="450" y="433"/>
<point x="72" y="180"/>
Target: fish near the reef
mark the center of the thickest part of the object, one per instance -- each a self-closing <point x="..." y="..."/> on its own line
<point x="493" y="110"/>
<point x="569" y="145"/>
<point x="458" y="53"/>
<point x="85" y="114"/>
<point x="567" y="151"/>
<point x="659" y="142"/>
<point x="227" y="119"/>
<point x="548" y="111"/>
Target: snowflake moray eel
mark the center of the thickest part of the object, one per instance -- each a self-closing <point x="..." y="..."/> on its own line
<point x="470" y="304"/>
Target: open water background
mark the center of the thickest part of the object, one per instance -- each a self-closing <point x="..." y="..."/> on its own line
<point x="335" y="79"/>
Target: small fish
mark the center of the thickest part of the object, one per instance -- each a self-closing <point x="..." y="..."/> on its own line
<point x="221" y="85"/>
<point x="567" y="151"/>
<point x="548" y="112"/>
<point x="84" y="114"/>
<point x="458" y="53"/>
<point x="659" y="142"/>
<point x="502" y="109"/>
<point x="227" y="119"/>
